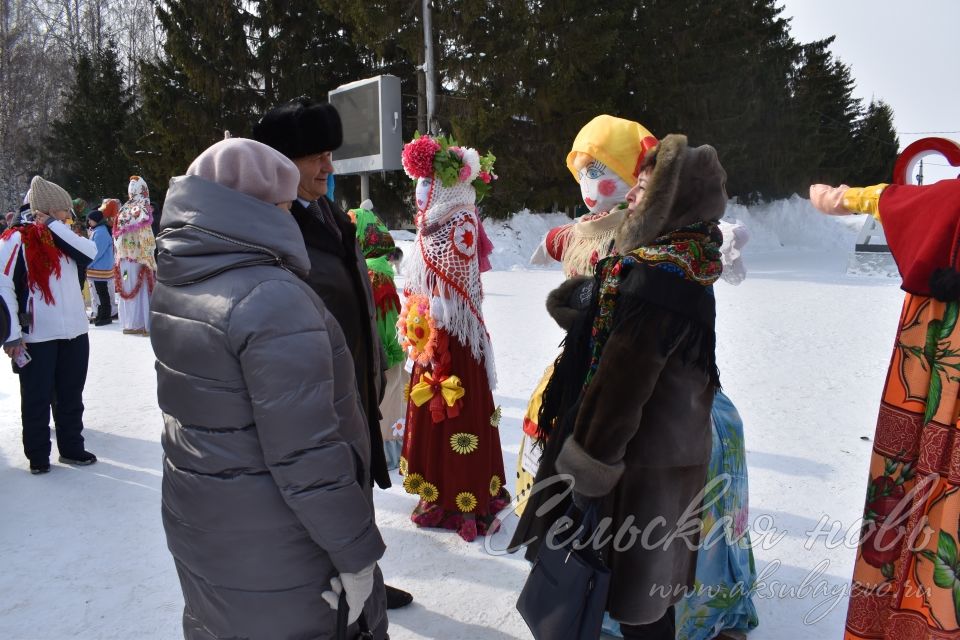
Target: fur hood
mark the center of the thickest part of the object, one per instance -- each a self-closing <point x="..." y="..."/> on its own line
<point x="687" y="186"/>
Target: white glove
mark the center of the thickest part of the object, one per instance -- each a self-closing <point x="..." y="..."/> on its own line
<point x="735" y="236"/>
<point x="358" y="586"/>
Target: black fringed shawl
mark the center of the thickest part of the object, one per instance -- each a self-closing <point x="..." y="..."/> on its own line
<point x="669" y="281"/>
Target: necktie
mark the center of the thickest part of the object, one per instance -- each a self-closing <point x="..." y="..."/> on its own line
<point x="326" y="217"/>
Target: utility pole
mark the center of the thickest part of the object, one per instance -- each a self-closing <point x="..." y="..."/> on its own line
<point x="421" y="94"/>
<point x="920" y="175"/>
<point x="428" y="68"/>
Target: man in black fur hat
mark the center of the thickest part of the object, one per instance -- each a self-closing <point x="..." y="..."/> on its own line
<point x="308" y="132"/>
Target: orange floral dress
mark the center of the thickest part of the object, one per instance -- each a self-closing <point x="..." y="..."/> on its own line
<point x="906" y="582"/>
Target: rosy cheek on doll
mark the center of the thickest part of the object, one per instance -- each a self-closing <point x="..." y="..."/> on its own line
<point x="607" y="188"/>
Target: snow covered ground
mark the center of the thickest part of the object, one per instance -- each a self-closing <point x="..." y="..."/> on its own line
<point x="803" y="351"/>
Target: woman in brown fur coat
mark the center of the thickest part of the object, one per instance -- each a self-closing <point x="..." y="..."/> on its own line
<point x="629" y="402"/>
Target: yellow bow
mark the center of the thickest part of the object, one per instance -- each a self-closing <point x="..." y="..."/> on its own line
<point x="449" y="387"/>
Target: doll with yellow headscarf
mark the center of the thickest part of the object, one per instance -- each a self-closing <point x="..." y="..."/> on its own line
<point x="605" y="160"/>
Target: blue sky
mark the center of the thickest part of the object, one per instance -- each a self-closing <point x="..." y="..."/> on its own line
<point x="903" y="52"/>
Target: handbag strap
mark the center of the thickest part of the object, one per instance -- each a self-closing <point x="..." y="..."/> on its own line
<point x="343" y="611"/>
<point x="590" y="516"/>
<point x="588" y="519"/>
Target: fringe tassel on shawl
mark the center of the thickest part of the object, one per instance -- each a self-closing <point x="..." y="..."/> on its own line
<point x="569" y="371"/>
<point x="581" y="243"/>
<point x="695" y="343"/>
<point x="454" y="313"/>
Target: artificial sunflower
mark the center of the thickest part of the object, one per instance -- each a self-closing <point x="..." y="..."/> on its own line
<point x="428" y="492"/>
<point x="466" y="502"/>
<point x="413" y="483"/>
<point x="464" y="443"/>
<point x="403" y="466"/>
<point x="495" y="485"/>
<point x="495" y="418"/>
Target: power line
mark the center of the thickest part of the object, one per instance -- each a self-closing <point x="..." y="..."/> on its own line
<point x="922" y="133"/>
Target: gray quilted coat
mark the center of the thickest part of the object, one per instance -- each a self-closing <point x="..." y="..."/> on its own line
<point x="266" y="487"/>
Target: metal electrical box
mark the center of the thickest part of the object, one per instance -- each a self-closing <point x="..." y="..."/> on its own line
<point x="372" y="137"/>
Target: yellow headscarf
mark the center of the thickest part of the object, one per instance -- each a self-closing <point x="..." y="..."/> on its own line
<point x="620" y="144"/>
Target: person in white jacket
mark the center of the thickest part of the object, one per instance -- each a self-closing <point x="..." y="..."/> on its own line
<point x="40" y="265"/>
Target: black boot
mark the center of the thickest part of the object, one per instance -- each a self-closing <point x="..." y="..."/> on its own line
<point x="397" y="598"/>
<point x="39" y="466"/>
<point x="81" y="459"/>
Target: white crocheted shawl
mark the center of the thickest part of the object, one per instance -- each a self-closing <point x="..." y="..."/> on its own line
<point x="445" y="267"/>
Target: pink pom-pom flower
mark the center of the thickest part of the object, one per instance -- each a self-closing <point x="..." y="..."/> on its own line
<point x="417" y="157"/>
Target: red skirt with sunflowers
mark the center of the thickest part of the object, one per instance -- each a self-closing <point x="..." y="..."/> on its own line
<point x="451" y="449"/>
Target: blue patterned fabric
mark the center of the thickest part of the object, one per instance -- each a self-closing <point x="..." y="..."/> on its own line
<point x="725" y="572"/>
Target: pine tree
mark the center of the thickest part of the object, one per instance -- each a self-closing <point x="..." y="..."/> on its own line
<point x="716" y="71"/>
<point x="300" y="49"/>
<point x="90" y="142"/>
<point x="202" y="87"/>
<point x="520" y="78"/>
<point x="823" y="95"/>
<point x="876" y="145"/>
<point x="511" y="78"/>
<point x="524" y="79"/>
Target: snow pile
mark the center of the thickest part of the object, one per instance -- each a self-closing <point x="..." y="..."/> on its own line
<point x="791" y="224"/>
<point x="783" y="226"/>
<point x="515" y="239"/>
<point x="794" y="224"/>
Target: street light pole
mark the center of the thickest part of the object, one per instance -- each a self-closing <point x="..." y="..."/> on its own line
<point x="428" y="68"/>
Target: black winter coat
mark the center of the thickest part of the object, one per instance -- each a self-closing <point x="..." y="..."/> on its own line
<point x="338" y="274"/>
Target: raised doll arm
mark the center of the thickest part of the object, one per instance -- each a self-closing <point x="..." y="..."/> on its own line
<point x="845" y="200"/>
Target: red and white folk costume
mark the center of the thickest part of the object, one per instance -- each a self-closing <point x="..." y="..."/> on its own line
<point x="451" y="455"/>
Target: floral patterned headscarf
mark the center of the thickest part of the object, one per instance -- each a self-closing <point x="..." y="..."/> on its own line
<point x="137" y="190"/>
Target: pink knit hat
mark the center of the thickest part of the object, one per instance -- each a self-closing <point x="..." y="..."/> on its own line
<point x="249" y="167"/>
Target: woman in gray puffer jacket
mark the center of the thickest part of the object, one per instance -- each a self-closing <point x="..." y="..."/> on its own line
<point x="266" y="485"/>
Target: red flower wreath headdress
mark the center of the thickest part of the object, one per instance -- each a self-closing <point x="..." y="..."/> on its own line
<point x="443" y="159"/>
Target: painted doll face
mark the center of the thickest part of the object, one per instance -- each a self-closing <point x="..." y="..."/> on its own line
<point x="423" y="193"/>
<point x="601" y="188"/>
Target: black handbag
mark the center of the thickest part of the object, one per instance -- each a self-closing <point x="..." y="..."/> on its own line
<point x="343" y="610"/>
<point x="565" y="595"/>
